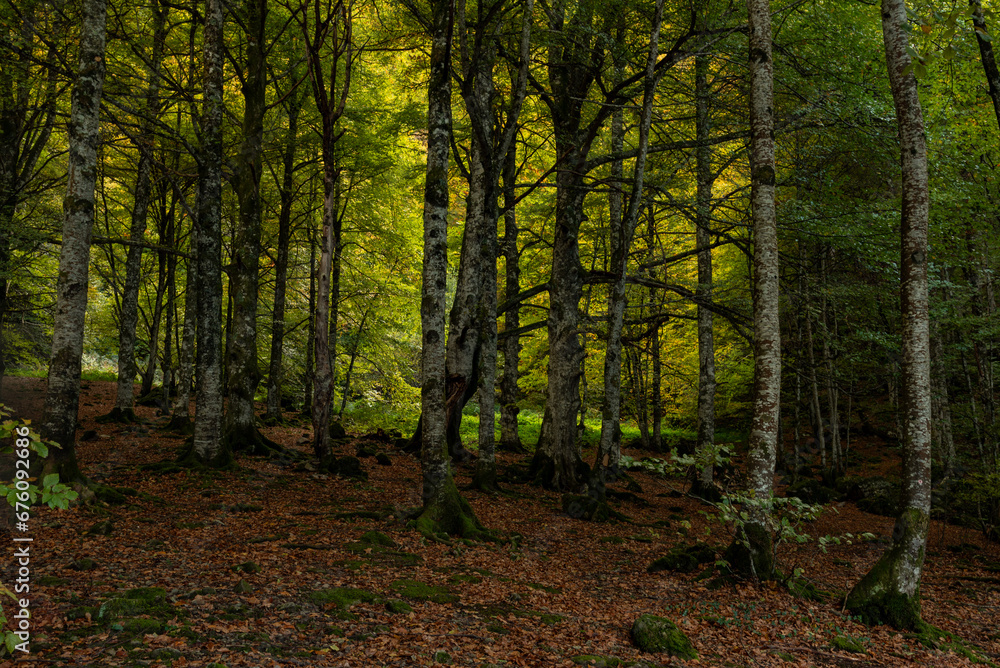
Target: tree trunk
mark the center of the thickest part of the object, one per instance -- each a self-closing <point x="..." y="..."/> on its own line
<point x="274" y="374"/>
<point x="890" y="591"/>
<point x="180" y="419"/>
<point x="703" y="241"/>
<point x="240" y="431"/>
<point x="986" y="56"/>
<point x="510" y="439"/>
<point x="756" y="544"/>
<point x="444" y="510"/>
<point x="207" y="445"/>
<point x="124" y="399"/>
<point x="62" y="399"/>
<point x="166" y="362"/>
<point x="329" y="44"/>
<point x="309" y="377"/>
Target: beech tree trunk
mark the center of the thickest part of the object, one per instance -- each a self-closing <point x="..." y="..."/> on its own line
<point x="124" y="399"/>
<point x="208" y="447"/>
<point x="703" y="241"/>
<point x="240" y="429"/>
<point x="444" y="510"/>
<point x="62" y="399"/>
<point x="890" y="591"/>
<point x="756" y="543"/>
<point x="180" y="419"/>
<point x="274" y="374"/>
<point x="329" y="44"/>
<point x="510" y="439"/>
<point x="986" y="56"/>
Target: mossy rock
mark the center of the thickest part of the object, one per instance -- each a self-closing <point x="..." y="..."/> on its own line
<point x="52" y="581"/>
<point x="847" y="644"/>
<point x="383" y="459"/>
<point x="684" y="558"/>
<point x="614" y="540"/>
<point x="165" y="653"/>
<point x="420" y="591"/>
<point x="142" y="625"/>
<point x="812" y="491"/>
<point x="398" y="607"/>
<point x="337" y="430"/>
<point x="342" y="597"/>
<point x="442" y="657"/>
<point x="879" y="496"/>
<point x="347" y="467"/>
<point x="376" y="538"/>
<point x="585" y="508"/>
<point x="594" y="661"/>
<point x="247" y="567"/>
<point x="140" y="601"/>
<point x="243" y="587"/>
<point x="105" y="528"/>
<point x="366" y="452"/>
<point x="83" y="564"/>
<point x="659" y="635"/>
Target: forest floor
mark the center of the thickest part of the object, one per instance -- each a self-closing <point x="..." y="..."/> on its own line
<point x="270" y="565"/>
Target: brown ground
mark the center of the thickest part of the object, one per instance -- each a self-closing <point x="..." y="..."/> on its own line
<point x="186" y="532"/>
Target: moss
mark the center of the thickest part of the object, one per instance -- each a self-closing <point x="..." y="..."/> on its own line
<point x="52" y="581"/>
<point x="376" y="538"/>
<point x="347" y="467"/>
<point x="658" y="635"/>
<point x="247" y="567"/>
<point x="751" y="554"/>
<point x="594" y="661"/>
<point x="142" y="625"/>
<point x="449" y="513"/>
<point x="683" y="558"/>
<point x="342" y="597"/>
<point x="104" y="528"/>
<point x="875" y="598"/>
<point x="397" y="607"/>
<point x="419" y="591"/>
<point x="108" y="495"/>
<point x="141" y="601"/>
<point x="586" y="508"/>
<point x="847" y="644"/>
<point x="442" y="657"/>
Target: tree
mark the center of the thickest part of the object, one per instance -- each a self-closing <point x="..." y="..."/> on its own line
<point x="444" y="510"/>
<point x="890" y="591"/>
<point x="240" y="431"/>
<point x="751" y="553"/>
<point x="124" y="399"/>
<point x="62" y="399"/>
<point x="330" y="93"/>
<point x="208" y="447"/>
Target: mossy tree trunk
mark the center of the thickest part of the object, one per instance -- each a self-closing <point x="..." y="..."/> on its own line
<point x="62" y="399"/>
<point x="240" y="431"/>
<point x="444" y="510"/>
<point x="890" y="592"/>
<point x="510" y="438"/>
<point x="180" y="414"/>
<point x="756" y="534"/>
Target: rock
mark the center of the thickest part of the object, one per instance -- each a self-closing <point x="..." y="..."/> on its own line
<point x="812" y="491"/>
<point x="383" y="459"/>
<point x="348" y="467"/>
<point x="659" y="635"/>
<point x="398" y="607"/>
<point x="684" y="558"/>
<point x="376" y="538"/>
<point x="243" y="587"/>
<point x="337" y="430"/>
<point x="104" y="528"/>
<point x="879" y="496"/>
<point x="366" y="451"/>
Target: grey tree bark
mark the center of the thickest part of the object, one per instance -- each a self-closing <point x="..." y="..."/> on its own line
<point x="752" y="553"/>
<point x="890" y="591"/>
<point x="444" y="510"/>
<point x="123" y="410"/>
<point x="180" y="414"/>
<point x="510" y="439"/>
<point x="207" y="443"/>
<point x="274" y="374"/>
<point x="703" y="242"/>
<point x="62" y="398"/>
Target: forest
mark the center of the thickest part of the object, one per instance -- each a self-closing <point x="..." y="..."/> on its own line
<point x="499" y="333"/>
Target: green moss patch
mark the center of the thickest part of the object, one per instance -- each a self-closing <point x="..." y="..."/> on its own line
<point x="420" y="591"/>
<point x="659" y="635"/>
<point x="342" y="597"/>
<point x="847" y="644"/>
<point x="684" y="558"/>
